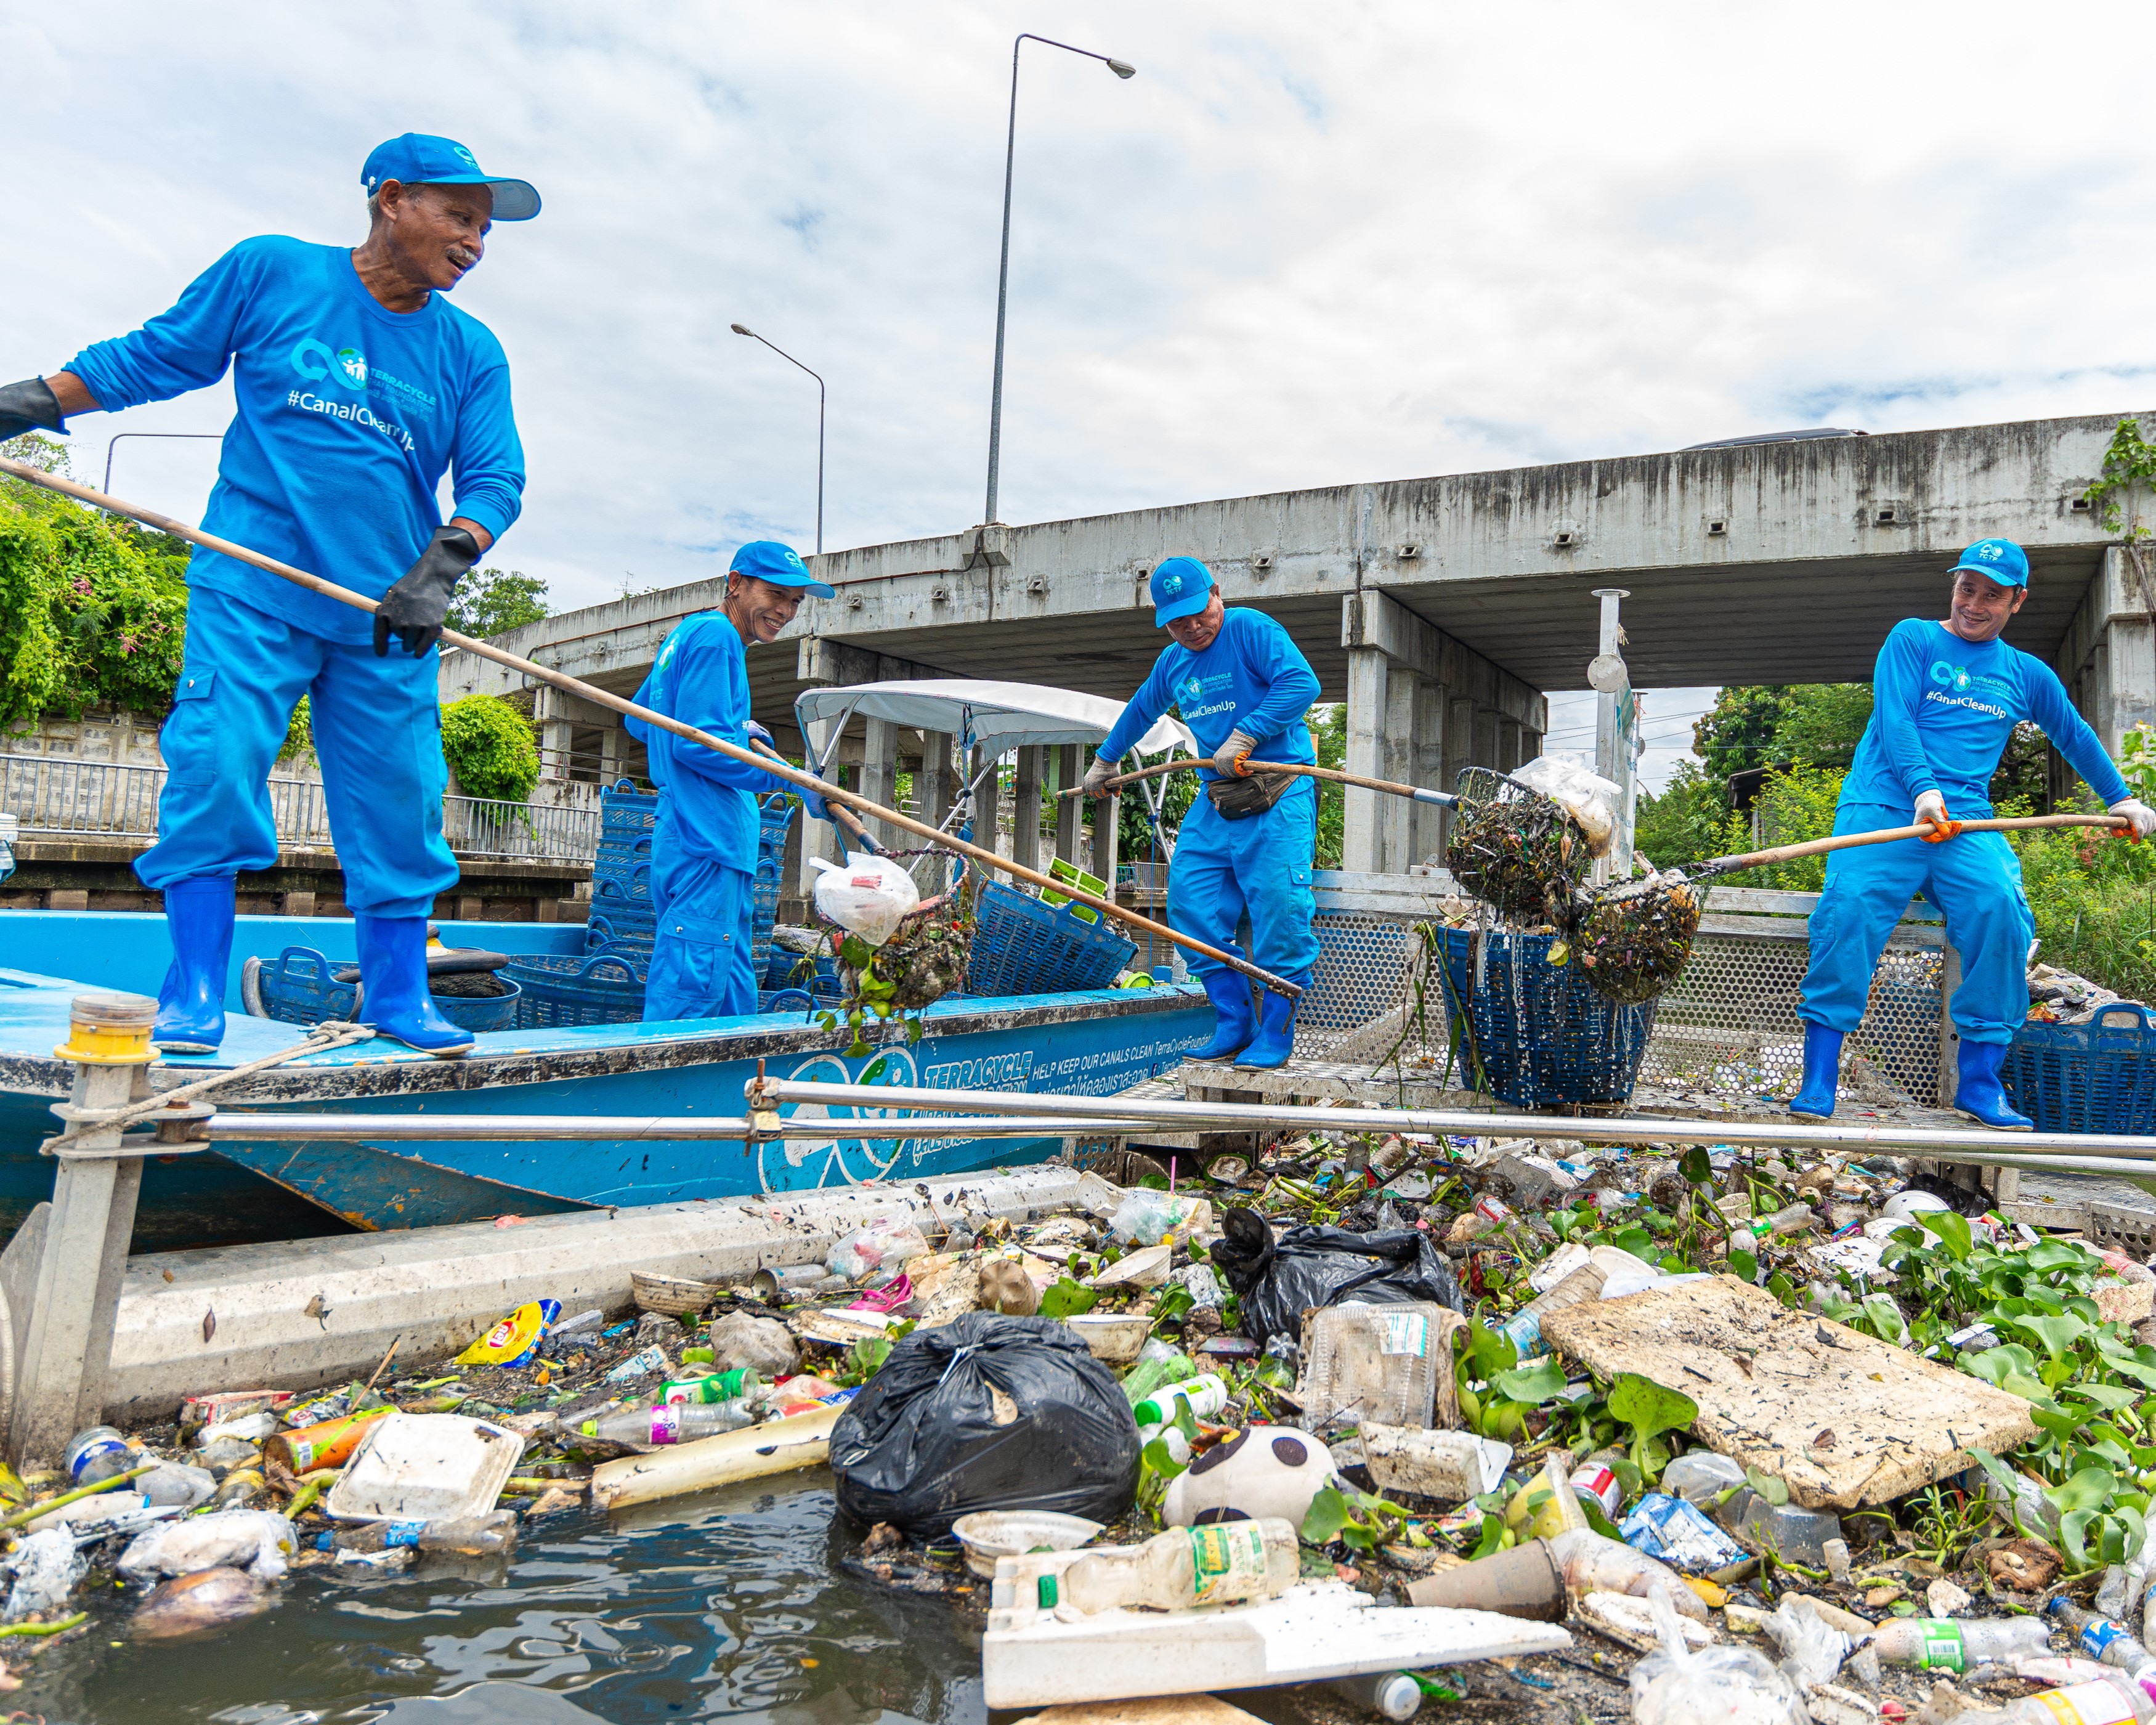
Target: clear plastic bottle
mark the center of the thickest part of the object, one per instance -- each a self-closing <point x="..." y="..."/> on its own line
<point x="2100" y="1637"/>
<point x="670" y="1422"/>
<point x="1277" y="1368"/>
<point x="1206" y="1393"/>
<point x="482" y="1535"/>
<point x="2114" y="1699"/>
<point x="1390" y="1695"/>
<point x="743" y="1381"/>
<point x="1226" y="1563"/>
<point x="1154" y="1369"/>
<point x="1948" y="1644"/>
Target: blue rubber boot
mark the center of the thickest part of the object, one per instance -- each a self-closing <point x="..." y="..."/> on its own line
<point x="1276" y="1039"/>
<point x="392" y="971"/>
<point x="190" y="1003"/>
<point x="1233" y="1023"/>
<point x="1977" y="1092"/>
<point x="1815" y="1095"/>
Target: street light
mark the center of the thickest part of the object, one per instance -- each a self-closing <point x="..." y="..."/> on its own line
<point x="742" y="329"/>
<point x="1122" y="69"/>
<point x="209" y="436"/>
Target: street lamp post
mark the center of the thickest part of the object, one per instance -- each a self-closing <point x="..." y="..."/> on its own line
<point x="1122" y="69"/>
<point x="742" y="329"/>
<point x="206" y="436"/>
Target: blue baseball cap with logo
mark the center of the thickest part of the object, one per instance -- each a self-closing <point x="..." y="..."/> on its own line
<point x="781" y="565"/>
<point x="2000" y="560"/>
<point x="1182" y="587"/>
<point x="418" y="159"/>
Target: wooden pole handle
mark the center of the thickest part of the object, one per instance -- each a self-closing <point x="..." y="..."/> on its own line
<point x="832" y="794"/>
<point x="1818" y="847"/>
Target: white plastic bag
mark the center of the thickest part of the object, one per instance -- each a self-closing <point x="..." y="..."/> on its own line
<point x="1720" y="1685"/>
<point x="1148" y="1216"/>
<point x="1589" y="798"/>
<point x="887" y="1243"/>
<point x="256" y="1540"/>
<point x="868" y="896"/>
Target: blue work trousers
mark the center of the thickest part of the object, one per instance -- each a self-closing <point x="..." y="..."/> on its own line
<point x="377" y="732"/>
<point x="1975" y="880"/>
<point x="703" y="963"/>
<point x="1261" y="863"/>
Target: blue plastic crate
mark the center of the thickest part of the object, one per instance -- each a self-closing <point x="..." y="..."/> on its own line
<point x="1023" y="947"/>
<point x="775" y="815"/>
<point x="300" y="988"/>
<point x="563" y="989"/>
<point x="626" y="811"/>
<point x="2097" y="1077"/>
<point x="1545" y="1038"/>
<point x="619" y="858"/>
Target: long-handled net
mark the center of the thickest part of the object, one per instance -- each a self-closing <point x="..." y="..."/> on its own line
<point x="1515" y="849"/>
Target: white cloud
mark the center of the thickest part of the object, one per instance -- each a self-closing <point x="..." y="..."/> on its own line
<point x="1304" y="245"/>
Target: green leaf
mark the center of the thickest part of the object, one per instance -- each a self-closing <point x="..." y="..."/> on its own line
<point x="1493" y="1536"/>
<point x="1775" y="1491"/>
<point x="1952" y="1230"/>
<point x="2071" y="1526"/>
<point x="1492" y="1351"/>
<point x="1063" y="1298"/>
<point x="2111" y="1398"/>
<point x="1633" y="1239"/>
<point x="1744" y="1266"/>
<point x="1533" y="1384"/>
<point x="1158" y="1459"/>
<point x="1994" y="1364"/>
<point x="2089" y="1489"/>
<point x="1696" y="1166"/>
<point x="1648" y="1408"/>
<point x="2058" y="1334"/>
<point x="1327" y="1515"/>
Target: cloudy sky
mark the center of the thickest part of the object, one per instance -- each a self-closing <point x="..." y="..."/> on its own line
<point x="1305" y="245"/>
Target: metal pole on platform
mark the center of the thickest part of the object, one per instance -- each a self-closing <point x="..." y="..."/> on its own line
<point x="65" y="1262"/>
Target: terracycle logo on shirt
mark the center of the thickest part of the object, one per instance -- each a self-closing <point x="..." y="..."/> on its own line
<point x="314" y="359"/>
<point x="1199" y="696"/>
<point x="1950" y="676"/>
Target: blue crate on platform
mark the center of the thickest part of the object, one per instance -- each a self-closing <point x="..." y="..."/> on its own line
<point x="625" y="812"/>
<point x="1023" y="947"/>
<point x="1544" y="1037"/>
<point x="774" y="817"/>
<point x="568" y="988"/>
<point x="300" y="988"/>
<point x="2097" y="1077"/>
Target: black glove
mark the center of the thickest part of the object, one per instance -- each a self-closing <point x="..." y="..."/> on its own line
<point x="29" y="405"/>
<point x="415" y="607"/>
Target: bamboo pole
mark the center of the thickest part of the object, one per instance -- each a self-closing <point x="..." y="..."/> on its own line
<point x="1819" y="847"/>
<point x="831" y="794"/>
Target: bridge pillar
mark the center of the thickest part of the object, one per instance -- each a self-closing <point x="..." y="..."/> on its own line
<point x="1025" y="805"/>
<point x="2107" y="661"/>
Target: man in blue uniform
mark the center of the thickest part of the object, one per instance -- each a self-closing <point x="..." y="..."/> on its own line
<point x="1242" y="687"/>
<point x="704" y="849"/>
<point x="1946" y="697"/>
<point x="357" y="386"/>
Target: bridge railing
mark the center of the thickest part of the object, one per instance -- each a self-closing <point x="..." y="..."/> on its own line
<point x="55" y="796"/>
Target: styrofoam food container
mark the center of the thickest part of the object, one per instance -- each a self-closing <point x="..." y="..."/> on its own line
<point x="988" y="1534"/>
<point x="425" y="1467"/>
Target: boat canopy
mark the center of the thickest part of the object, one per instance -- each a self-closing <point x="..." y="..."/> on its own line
<point x="998" y="717"/>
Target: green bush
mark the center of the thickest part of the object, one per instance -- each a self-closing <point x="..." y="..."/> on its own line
<point x="492" y="602"/>
<point x="491" y="748"/>
<point x="92" y="610"/>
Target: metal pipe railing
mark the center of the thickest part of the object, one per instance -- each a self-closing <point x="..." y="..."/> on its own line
<point x="229" y="1128"/>
<point x="2111" y="1152"/>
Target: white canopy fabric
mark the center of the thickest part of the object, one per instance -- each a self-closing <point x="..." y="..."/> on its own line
<point x="1002" y="716"/>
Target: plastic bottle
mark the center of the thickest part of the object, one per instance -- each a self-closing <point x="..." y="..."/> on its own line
<point x="2110" y="1700"/>
<point x="1206" y="1393"/>
<point x="1277" y="1369"/>
<point x="1153" y="1370"/>
<point x="1947" y="1644"/>
<point x="100" y="1453"/>
<point x="1391" y="1695"/>
<point x="2101" y="1638"/>
<point x="1224" y="1565"/>
<point x="669" y="1422"/>
<point x="481" y="1535"/>
<point x="1604" y="1264"/>
<point x="743" y="1381"/>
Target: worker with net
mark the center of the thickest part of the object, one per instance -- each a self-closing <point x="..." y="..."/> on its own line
<point x="1242" y="686"/>
<point x="1946" y="695"/>
<point x="703" y="844"/>
<point x="357" y="386"/>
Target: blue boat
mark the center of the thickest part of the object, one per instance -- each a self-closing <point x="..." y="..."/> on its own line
<point x="1088" y="1043"/>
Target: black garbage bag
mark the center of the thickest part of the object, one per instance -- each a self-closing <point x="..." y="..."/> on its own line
<point x="1278" y="1278"/>
<point x="929" y="1439"/>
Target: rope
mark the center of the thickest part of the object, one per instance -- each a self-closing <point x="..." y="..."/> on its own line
<point x="330" y="1033"/>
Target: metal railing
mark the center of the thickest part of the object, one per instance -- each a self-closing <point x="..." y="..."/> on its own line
<point x="53" y="795"/>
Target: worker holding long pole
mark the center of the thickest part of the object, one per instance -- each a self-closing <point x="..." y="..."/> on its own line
<point x="704" y="848"/>
<point x="1946" y="695"/>
<point x="1242" y="686"/>
<point x="358" y="385"/>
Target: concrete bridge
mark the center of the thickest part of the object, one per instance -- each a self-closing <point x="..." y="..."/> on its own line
<point x="1440" y="610"/>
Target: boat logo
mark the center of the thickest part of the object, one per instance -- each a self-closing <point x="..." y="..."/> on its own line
<point x="313" y="358"/>
<point x="1950" y="676"/>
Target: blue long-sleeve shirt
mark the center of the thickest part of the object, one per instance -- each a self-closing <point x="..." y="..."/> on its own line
<point x="349" y="414"/>
<point x="1943" y="710"/>
<point x="701" y="677"/>
<point x="1253" y="679"/>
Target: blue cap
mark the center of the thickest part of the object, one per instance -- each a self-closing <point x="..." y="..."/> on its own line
<point x="1182" y="587"/>
<point x="2000" y="560"/>
<point x="417" y="159"/>
<point x="781" y="565"/>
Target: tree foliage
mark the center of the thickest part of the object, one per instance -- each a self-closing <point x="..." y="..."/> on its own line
<point x="491" y="748"/>
<point x="492" y="602"/>
<point x="92" y="609"/>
